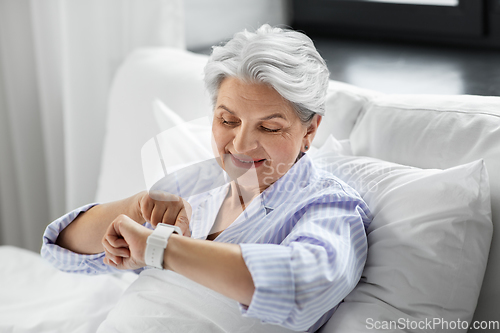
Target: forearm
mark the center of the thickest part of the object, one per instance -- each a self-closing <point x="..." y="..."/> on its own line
<point x="84" y="235"/>
<point x="218" y="266"/>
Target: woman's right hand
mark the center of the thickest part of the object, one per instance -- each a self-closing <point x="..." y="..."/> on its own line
<point x="162" y="207"/>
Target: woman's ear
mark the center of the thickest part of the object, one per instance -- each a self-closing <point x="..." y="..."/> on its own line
<point x="313" y="127"/>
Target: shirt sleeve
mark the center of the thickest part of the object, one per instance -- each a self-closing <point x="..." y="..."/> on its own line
<point x="66" y="260"/>
<point x="300" y="281"/>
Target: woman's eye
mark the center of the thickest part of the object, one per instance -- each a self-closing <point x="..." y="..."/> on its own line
<point x="228" y="123"/>
<point x="270" y="129"/>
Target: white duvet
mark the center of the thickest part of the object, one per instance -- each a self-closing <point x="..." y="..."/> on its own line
<point x="37" y="298"/>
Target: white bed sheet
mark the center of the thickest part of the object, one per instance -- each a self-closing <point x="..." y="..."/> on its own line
<point x="37" y="298"/>
<point x="164" y="301"/>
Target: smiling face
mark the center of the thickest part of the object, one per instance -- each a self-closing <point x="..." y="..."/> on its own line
<point x="257" y="133"/>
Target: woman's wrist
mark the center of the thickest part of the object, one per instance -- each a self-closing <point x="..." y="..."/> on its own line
<point x="167" y="255"/>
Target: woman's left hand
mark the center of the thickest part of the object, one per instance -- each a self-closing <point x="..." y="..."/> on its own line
<point x="125" y="243"/>
<point x="216" y="265"/>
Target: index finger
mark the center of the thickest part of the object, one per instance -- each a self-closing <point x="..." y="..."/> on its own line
<point x="182" y="221"/>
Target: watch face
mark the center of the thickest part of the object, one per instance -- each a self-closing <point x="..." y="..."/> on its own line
<point x="177" y="230"/>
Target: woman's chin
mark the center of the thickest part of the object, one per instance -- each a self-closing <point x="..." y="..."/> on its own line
<point x="244" y="177"/>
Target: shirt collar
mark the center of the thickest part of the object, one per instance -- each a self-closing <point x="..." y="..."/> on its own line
<point x="297" y="177"/>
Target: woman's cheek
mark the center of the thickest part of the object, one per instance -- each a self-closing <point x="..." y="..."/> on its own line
<point x="268" y="168"/>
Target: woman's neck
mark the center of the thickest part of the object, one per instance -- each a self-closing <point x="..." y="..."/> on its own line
<point x="243" y="195"/>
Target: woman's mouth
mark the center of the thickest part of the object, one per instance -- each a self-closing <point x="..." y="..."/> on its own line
<point x="246" y="163"/>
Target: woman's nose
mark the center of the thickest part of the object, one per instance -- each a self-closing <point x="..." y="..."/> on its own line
<point x="244" y="140"/>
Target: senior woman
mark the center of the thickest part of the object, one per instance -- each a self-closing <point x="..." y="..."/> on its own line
<point x="284" y="239"/>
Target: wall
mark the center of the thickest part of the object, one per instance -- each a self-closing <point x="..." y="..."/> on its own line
<point x="207" y="22"/>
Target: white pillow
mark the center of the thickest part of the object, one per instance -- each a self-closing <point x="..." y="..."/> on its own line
<point x="198" y="131"/>
<point x="435" y="131"/>
<point x="428" y="243"/>
<point x="179" y="145"/>
<point x="343" y="104"/>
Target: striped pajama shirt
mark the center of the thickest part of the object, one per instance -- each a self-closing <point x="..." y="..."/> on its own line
<point x="303" y="240"/>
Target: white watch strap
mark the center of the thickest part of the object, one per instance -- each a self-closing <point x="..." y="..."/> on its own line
<point x="157" y="243"/>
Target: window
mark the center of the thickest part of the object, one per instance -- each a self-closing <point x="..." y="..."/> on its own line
<point x="422" y="2"/>
<point x="469" y="22"/>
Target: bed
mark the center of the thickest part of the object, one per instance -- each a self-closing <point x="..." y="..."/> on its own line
<point x="426" y="164"/>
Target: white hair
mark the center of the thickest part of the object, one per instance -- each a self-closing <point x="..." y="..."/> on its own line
<point x="284" y="59"/>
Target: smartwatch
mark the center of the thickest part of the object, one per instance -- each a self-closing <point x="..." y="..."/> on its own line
<point x="157" y="243"/>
